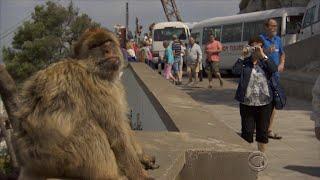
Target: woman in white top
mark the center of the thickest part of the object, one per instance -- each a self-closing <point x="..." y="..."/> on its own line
<point x="131" y="53"/>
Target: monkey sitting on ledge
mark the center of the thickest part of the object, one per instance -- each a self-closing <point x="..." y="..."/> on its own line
<point x="73" y="118"/>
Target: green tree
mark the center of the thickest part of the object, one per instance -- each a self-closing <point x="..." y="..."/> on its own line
<point x="44" y="39"/>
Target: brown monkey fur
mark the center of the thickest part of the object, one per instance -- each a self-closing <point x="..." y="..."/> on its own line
<point x="73" y="117"/>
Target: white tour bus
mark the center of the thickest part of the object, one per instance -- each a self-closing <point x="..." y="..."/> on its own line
<point x="234" y="31"/>
<point x="163" y="32"/>
<point x="311" y="21"/>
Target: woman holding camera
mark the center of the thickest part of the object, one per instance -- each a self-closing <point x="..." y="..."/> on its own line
<point x="254" y="92"/>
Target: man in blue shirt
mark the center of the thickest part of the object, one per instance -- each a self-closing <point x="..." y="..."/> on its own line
<point x="274" y="50"/>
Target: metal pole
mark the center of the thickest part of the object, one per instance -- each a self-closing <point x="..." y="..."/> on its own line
<point x="127" y="18"/>
<point x="1" y="61"/>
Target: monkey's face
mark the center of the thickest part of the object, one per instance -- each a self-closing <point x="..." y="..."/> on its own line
<point x="107" y="59"/>
<point x="101" y="50"/>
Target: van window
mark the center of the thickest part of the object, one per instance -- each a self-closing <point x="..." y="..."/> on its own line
<point x="167" y="33"/>
<point x="207" y="31"/>
<point x="309" y="17"/>
<point x="292" y="25"/>
<point x="231" y="33"/>
<point x="252" y="29"/>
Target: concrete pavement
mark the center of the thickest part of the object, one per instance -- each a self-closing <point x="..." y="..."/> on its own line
<point x="295" y="157"/>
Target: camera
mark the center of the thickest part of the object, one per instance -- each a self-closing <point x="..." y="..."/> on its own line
<point x="251" y="49"/>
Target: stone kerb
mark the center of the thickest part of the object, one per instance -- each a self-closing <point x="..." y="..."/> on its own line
<point x="196" y="145"/>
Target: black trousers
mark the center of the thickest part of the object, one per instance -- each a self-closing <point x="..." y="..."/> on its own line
<point x="255" y="117"/>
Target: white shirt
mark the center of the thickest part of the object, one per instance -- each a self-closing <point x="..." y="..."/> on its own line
<point x="257" y="93"/>
<point x="131" y="52"/>
<point x="192" y="53"/>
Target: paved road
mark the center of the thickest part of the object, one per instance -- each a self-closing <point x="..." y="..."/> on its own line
<point x="295" y="157"/>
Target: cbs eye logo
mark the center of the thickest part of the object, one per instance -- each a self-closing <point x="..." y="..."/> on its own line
<point x="257" y="161"/>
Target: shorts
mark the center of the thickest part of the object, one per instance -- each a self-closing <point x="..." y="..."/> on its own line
<point x="255" y="117"/>
<point x="176" y="67"/>
<point x="193" y="68"/>
<point x="213" y="67"/>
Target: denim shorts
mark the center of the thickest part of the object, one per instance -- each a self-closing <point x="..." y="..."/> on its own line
<point x="176" y="65"/>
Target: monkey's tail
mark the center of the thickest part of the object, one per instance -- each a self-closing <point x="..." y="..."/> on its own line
<point x="9" y="95"/>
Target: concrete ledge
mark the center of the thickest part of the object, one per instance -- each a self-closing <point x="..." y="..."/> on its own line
<point x="197" y="144"/>
<point x="184" y="156"/>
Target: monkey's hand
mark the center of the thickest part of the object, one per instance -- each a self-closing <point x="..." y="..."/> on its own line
<point x="149" y="162"/>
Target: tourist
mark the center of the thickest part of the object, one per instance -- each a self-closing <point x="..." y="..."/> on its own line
<point x="176" y="48"/>
<point x="213" y="49"/>
<point x="254" y="92"/>
<point x="183" y="50"/>
<point x="194" y="56"/>
<point x="131" y="54"/>
<point x="146" y="53"/>
<point x="274" y="50"/>
<point x="169" y="60"/>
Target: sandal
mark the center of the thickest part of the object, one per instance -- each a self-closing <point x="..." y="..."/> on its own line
<point x="273" y="135"/>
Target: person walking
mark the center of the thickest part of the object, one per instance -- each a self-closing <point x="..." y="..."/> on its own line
<point x="213" y="49"/>
<point x="169" y="60"/>
<point x="254" y="92"/>
<point x="194" y="56"/>
<point x="131" y="53"/>
<point x="183" y="53"/>
<point x="274" y="50"/>
<point x="176" y="48"/>
<point x="316" y="107"/>
<point x="145" y="50"/>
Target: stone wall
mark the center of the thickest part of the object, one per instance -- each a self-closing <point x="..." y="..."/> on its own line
<point x="197" y="145"/>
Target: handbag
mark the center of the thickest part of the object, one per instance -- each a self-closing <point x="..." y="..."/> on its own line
<point x="279" y="96"/>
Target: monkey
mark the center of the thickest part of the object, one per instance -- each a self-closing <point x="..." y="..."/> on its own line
<point x="73" y="117"/>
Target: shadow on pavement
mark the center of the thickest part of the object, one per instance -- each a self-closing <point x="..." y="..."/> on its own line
<point x="225" y="96"/>
<point x="312" y="171"/>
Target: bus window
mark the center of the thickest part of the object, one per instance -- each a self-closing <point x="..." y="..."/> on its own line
<point x="231" y="33"/>
<point x="207" y="31"/>
<point x="318" y="13"/>
<point x="309" y="17"/>
<point x="292" y="25"/>
<point x="167" y="33"/>
<point x="196" y="37"/>
<point x="252" y="29"/>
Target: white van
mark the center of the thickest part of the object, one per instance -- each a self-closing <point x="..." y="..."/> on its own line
<point x="163" y="32"/>
<point x="234" y="31"/>
<point x="311" y="21"/>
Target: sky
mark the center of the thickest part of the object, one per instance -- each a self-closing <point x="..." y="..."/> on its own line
<point x="111" y="12"/>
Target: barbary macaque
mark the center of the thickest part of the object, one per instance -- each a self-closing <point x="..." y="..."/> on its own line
<point x="73" y="117"/>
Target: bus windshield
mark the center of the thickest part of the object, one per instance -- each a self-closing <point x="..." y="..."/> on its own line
<point x="167" y="33"/>
<point x="293" y="24"/>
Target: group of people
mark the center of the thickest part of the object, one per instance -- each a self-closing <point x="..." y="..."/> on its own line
<point x="176" y="54"/>
<point x="138" y="52"/>
<point x="256" y="68"/>
<point x="254" y="93"/>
